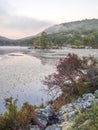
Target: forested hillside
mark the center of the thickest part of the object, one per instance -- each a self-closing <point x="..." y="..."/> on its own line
<point x="7" y="42"/>
<point x="78" y="33"/>
<point x="75" y="34"/>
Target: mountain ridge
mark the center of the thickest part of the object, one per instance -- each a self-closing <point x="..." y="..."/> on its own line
<point x="87" y="24"/>
<point x="67" y="27"/>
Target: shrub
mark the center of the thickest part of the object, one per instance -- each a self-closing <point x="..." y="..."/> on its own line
<point x="87" y="120"/>
<point x="15" y="118"/>
<point x="73" y="77"/>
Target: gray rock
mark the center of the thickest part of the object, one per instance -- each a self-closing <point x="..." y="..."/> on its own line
<point x="77" y="106"/>
<point x="53" y="127"/>
<point x="61" y="112"/>
<point x="96" y="100"/>
<point x="65" y="117"/>
<point x="96" y="92"/>
<point x="79" y="100"/>
<point x="86" y="104"/>
<point x="64" y="123"/>
<point x="49" y="110"/>
<point x="58" y="128"/>
<point x="88" y="97"/>
<point x="67" y="108"/>
<point x="46" y="113"/>
<point x="72" y="114"/>
<point x="66" y="112"/>
<point x="44" y="122"/>
<point x="35" y="128"/>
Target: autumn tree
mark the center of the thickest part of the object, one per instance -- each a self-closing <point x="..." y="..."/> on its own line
<point x="73" y="76"/>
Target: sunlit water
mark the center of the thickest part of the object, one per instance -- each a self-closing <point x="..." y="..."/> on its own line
<point x="21" y="73"/>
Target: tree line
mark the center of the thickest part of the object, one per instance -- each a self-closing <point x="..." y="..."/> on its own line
<point x="63" y="39"/>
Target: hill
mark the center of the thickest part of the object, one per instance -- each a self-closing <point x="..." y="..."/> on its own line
<point x="6" y="41"/>
<point x="84" y="31"/>
<point x="84" y="25"/>
<point x="76" y="34"/>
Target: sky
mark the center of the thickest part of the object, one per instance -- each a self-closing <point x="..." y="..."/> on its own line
<point x="22" y="18"/>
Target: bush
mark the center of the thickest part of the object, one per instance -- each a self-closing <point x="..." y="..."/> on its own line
<point x="73" y="77"/>
<point x="14" y="118"/>
<point x="87" y="120"/>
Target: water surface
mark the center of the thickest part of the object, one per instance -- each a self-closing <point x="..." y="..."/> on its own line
<point x="22" y="70"/>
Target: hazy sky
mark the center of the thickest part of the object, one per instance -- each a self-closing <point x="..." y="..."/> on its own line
<point x="20" y="18"/>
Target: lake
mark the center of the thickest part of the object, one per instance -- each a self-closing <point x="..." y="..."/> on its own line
<point x="22" y="71"/>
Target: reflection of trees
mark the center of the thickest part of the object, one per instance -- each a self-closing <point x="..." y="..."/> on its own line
<point x="45" y="56"/>
<point x="47" y="60"/>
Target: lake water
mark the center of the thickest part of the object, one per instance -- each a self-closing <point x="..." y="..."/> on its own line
<point x="22" y="70"/>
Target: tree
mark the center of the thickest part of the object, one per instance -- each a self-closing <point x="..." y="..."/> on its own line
<point x="77" y="42"/>
<point x="36" y="42"/>
<point x="43" y="40"/>
<point x="73" y="76"/>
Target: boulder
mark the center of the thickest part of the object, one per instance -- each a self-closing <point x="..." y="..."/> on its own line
<point x="96" y="92"/>
<point x="48" y="119"/>
<point x="72" y="114"/>
<point x="65" y="117"/>
<point x="86" y="104"/>
<point x="68" y="115"/>
<point x="88" y="97"/>
<point x="35" y="128"/>
<point x="67" y="108"/>
<point x="53" y="127"/>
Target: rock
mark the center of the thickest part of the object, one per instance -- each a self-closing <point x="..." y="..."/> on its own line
<point x="79" y="100"/>
<point x="46" y="116"/>
<point x="77" y="106"/>
<point x="96" y="92"/>
<point x="72" y="114"/>
<point x="88" y="97"/>
<point x="68" y="126"/>
<point x="53" y="127"/>
<point x="52" y="120"/>
<point x="67" y="108"/>
<point x="58" y="128"/>
<point x="43" y="122"/>
<point x="49" y="110"/>
<point x="64" y="123"/>
<point x="86" y="104"/>
<point x="35" y="128"/>
<point x="96" y="100"/>
<point x="65" y="117"/>
<point x="62" y="120"/>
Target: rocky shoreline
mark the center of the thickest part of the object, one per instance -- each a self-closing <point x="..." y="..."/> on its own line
<point x="62" y="119"/>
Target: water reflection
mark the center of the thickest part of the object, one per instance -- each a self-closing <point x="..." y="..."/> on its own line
<point x="20" y="77"/>
<point x="22" y="70"/>
<point x="52" y="56"/>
